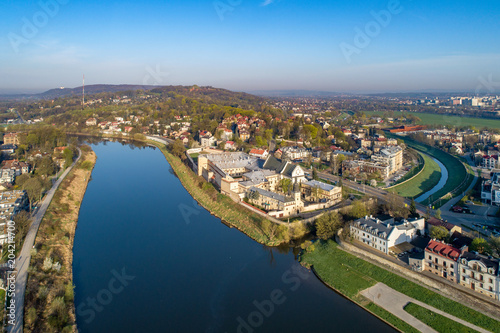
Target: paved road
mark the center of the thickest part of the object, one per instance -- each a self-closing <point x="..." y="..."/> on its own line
<point x="394" y="302"/>
<point x="22" y="263"/>
<point x="452" y="217"/>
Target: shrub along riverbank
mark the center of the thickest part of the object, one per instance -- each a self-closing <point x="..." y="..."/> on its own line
<point x="253" y="225"/>
<point x="349" y="275"/>
<point x="49" y="305"/>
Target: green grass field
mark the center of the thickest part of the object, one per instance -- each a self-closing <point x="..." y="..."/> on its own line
<point x="437" y="119"/>
<point x="422" y="183"/>
<point x="456" y="170"/>
<point x="350" y="275"/>
<point x="436" y="321"/>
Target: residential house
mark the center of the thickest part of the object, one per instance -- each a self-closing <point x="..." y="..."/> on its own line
<point x="442" y="259"/>
<point x="260" y="153"/>
<point x="314" y="190"/>
<point x="480" y="273"/>
<point x="382" y="235"/>
<point x="91" y="122"/>
<point x="18" y="167"/>
<point x="434" y="222"/>
<point x="8" y="149"/>
<point x="11" y="139"/>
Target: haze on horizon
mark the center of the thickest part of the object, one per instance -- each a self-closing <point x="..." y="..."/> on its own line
<point x="366" y="46"/>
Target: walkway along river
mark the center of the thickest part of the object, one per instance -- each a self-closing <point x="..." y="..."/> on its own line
<point x="149" y="259"/>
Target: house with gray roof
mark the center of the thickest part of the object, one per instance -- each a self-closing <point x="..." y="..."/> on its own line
<point x="480" y="273"/>
<point x="285" y="168"/>
<point x="314" y="190"/>
<point x="382" y="235"/>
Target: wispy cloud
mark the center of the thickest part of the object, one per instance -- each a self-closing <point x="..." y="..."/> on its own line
<point x="266" y="3"/>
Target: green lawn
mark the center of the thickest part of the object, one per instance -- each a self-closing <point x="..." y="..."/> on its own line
<point x="389" y="317"/>
<point x="456" y="170"/>
<point x="350" y="275"/>
<point x="437" y="119"/>
<point x="436" y="321"/>
<point x="422" y="183"/>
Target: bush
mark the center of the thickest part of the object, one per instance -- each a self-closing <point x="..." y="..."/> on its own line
<point x="86" y="165"/>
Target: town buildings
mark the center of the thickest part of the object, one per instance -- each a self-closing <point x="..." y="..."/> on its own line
<point x="442" y="259"/>
<point x="480" y="273"/>
<point x="382" y="235"/>
<point x="490" y="190"/>
<point x="11" y="139"/>
<point x="278" y="186"/>
<point x="11" y="203"/>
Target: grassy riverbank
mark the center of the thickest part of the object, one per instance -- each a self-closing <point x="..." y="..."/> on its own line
<point x="436" y="321"/>
<point x="222" y="206"/>
<point x="49" y="305"/>
<point x="423" y="182"/>
<point x="349" y="275"/>
<point x="456" y="170"/>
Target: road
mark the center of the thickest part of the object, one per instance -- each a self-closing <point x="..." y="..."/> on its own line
<point x="19" y="115"/>
<point x="455" y="218"/>
<point x="22" y="263"/>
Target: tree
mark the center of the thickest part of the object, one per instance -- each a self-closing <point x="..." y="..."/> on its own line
<point x="177" y="148"/>
<point x="21" y="179"/>
<point x="285" y="185"/>
<point x="495" y="244"/>
<point x="68" y="157"/>
<point x="22" y="222"/>
<point x="437" y="214"/>
<point x="413" y="208"/>
<point x="46" y="167"/>
<point x="33" y="188"/>
<point x="438" y="232"/>
<point x="315" y="192"/>
<point x="328" y="225"/>
<point x="358" y="209"/>
<point x="315" y="174"/>
<point x="480" y="245"/>
<point x="274" y="230"/>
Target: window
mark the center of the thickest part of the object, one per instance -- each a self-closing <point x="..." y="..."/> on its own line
<point x="463" y="278"/>
<point x="463" y="270"/>
<point x="491" y="281"/>
<point x="436" y="260"/>
<point x="430" y="258"/>
<point x="451" y="265"/>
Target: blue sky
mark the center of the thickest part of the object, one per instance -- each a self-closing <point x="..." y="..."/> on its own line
<point x="251" y="45"/>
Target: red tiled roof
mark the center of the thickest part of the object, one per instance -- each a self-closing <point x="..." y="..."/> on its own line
<point x="444" y="250"/>
<point x="257" y="151"/>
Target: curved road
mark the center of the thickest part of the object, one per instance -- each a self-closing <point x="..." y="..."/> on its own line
<point x="22" y="263"/>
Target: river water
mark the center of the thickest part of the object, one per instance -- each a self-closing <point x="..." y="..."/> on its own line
<point x="439" y="185"/>
<point x="149" y="259"/>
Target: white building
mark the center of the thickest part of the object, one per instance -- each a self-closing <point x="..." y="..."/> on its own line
<point x="391" y="156"/>
<point x="382" y="235"/>
<point x="479" y="273"/>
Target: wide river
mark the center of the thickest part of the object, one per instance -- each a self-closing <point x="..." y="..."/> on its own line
<point x="149" y="259"/>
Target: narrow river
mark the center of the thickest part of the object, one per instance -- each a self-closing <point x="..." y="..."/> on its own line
<point x="439" y="185"/>
<point x="149" y="259"/>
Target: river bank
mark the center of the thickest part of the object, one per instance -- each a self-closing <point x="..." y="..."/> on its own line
<point x="349" y="275"/>
<point x="221" y="206"/>
<point x="49" y="302"/>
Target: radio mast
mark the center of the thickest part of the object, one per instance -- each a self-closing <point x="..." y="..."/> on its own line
<point x="83" y="92"/>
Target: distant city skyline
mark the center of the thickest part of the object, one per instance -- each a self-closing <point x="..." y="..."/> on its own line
<point x="366" y="47"/>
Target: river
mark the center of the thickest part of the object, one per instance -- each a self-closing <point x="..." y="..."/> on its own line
<point x="149" y="259"/>
<point x="439" y="185"/>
